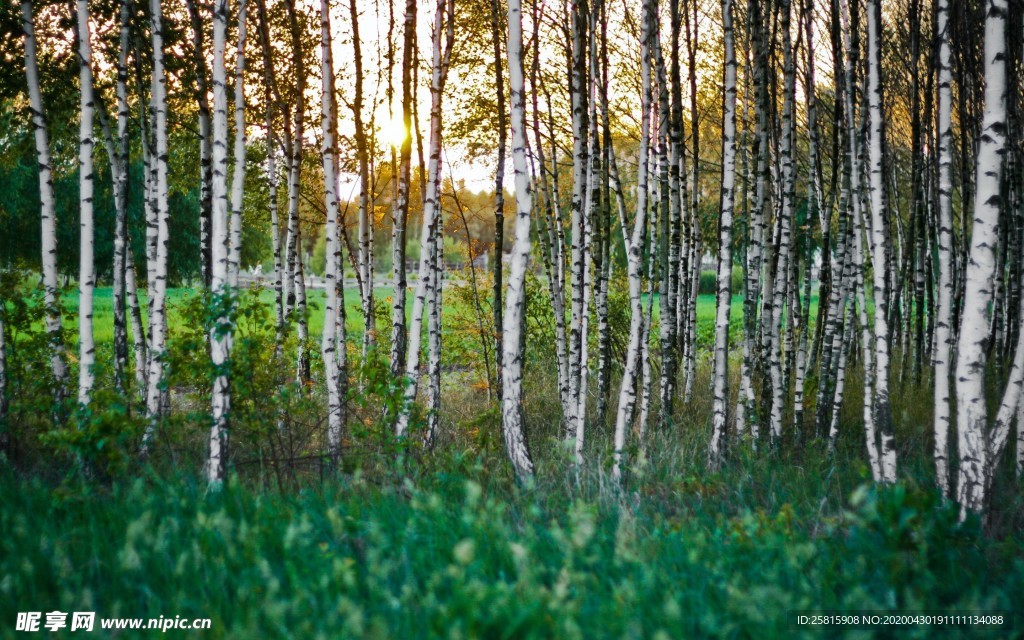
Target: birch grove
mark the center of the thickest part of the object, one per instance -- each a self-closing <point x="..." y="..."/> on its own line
<point x="773" y="227"/>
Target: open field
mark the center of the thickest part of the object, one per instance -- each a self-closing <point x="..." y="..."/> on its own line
<point x="103" y="318"/>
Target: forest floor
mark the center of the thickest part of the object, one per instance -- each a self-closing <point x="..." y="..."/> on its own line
<point x="452" y="547"/>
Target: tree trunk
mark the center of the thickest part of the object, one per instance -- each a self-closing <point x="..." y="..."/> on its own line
<point x="721" y="355"/>
<point x="430" y="235"/>
<point x="512" y="351"/>
<point x="158" y="233"/>
<point x="329" y="344"/>
<point x="238" y="179"/>
<point x="205" y="141"/>
<point x="879" y="246"/>
<point x="220" y="284"/>
<point x="943" y="321"/>
<point x="365" y="213"/>
<point x="634" y="248"/>
<point x="48" y="214"/>
<point x="400" y="210"/>
<point x="976" y="463"/>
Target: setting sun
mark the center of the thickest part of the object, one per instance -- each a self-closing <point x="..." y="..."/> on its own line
<point x="393" y="130"/>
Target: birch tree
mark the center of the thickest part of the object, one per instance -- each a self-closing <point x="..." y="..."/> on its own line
<point x="86" y="265"/>
<point x="721" y="355"/>
<point x="48" y="214"/>
<point x="943" y="338"/>
<point x="329" y="344"/>
<point x="879" y="245"/>
<point x="976" y="443"/>
<point x="428" y="280"/>
<point x="157" y="229"/>
<point x="272" y="105"/>
<point x="365" y="214"/>
<point x="634" y="247"/>
<point x="118" y="152"/>
<point x="220" y="332"/>
<point x="238" y="178"/>
<point x="205" y="139"/>
<point x="515" y="298"/>
<point x="400" y="210"/>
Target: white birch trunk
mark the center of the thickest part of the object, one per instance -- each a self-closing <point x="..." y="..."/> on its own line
<point x="784" y="225"/>
<point x="86" y="264"/>
<point x="429" y="232"/>
<point x="238" y="179"/>
<point x="365" y="213"/>
<point x="48" y="214"/>
<point x="879" y="246"/>
<point x="721" y="355"/>
<point x="434" y="331"/>
<point x="329" y="338"/>
<point x="269" y="94"/>
<point x="139" y="346"/>
<point x="976" y="461"/>
<point x="512" y="352"/>
<point x="400" y="210"/>
<point x="944" y="309"/>
<point x="220" y="266"/>
<point x="118" y="152"/>
<point x="159" y="234"/>
<point x="634" y="250"/>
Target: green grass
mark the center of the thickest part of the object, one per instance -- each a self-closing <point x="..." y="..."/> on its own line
<point x="103" y="309"/>
<point x="103" y="304"/>
<point x="461" y="552"/>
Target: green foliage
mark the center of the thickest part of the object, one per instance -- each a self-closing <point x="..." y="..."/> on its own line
<point x="103" y="438"/>
<point x="463" y="553"/>
<point x="709" y="282"/>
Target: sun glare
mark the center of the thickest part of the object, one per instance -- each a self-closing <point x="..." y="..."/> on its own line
<point x="393" y="130"/>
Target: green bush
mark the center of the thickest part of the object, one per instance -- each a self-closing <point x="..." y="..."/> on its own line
<point x="709" y="282"/>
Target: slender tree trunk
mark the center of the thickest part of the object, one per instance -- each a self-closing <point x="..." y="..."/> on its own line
<point x="293" y="245"/>
<point x="434" y="327"/>
<point x="400" y="210"/>
<point x="159" y="234"/>
<point x="430" y="235"/>
<point x="879" y="246"/>
<point x="329" y="345"/>
<point x="238" y="179"/>
<point x="205" y="141"/>
<point x="499" y="187"/>
<point x="118" y="151"/>
<point x="139" y="346"/>
<point x="48" y="214"/>
<point x="221" y="287"/>
<point x="755" y="223"/>
<point x="272" y="103"/>
<point x="86" y="268"/>
<point x="721" y="356"/>
<point x="634" y="247"/>
<point x="512" y="349"/>
<point x="690" y="353"/>
<point x="365" y="214"/>
<point x="973" y="445"/>
<point x="943" y="321"/>
<point x="580" y="129"/>
<point x="785" y="231"/>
